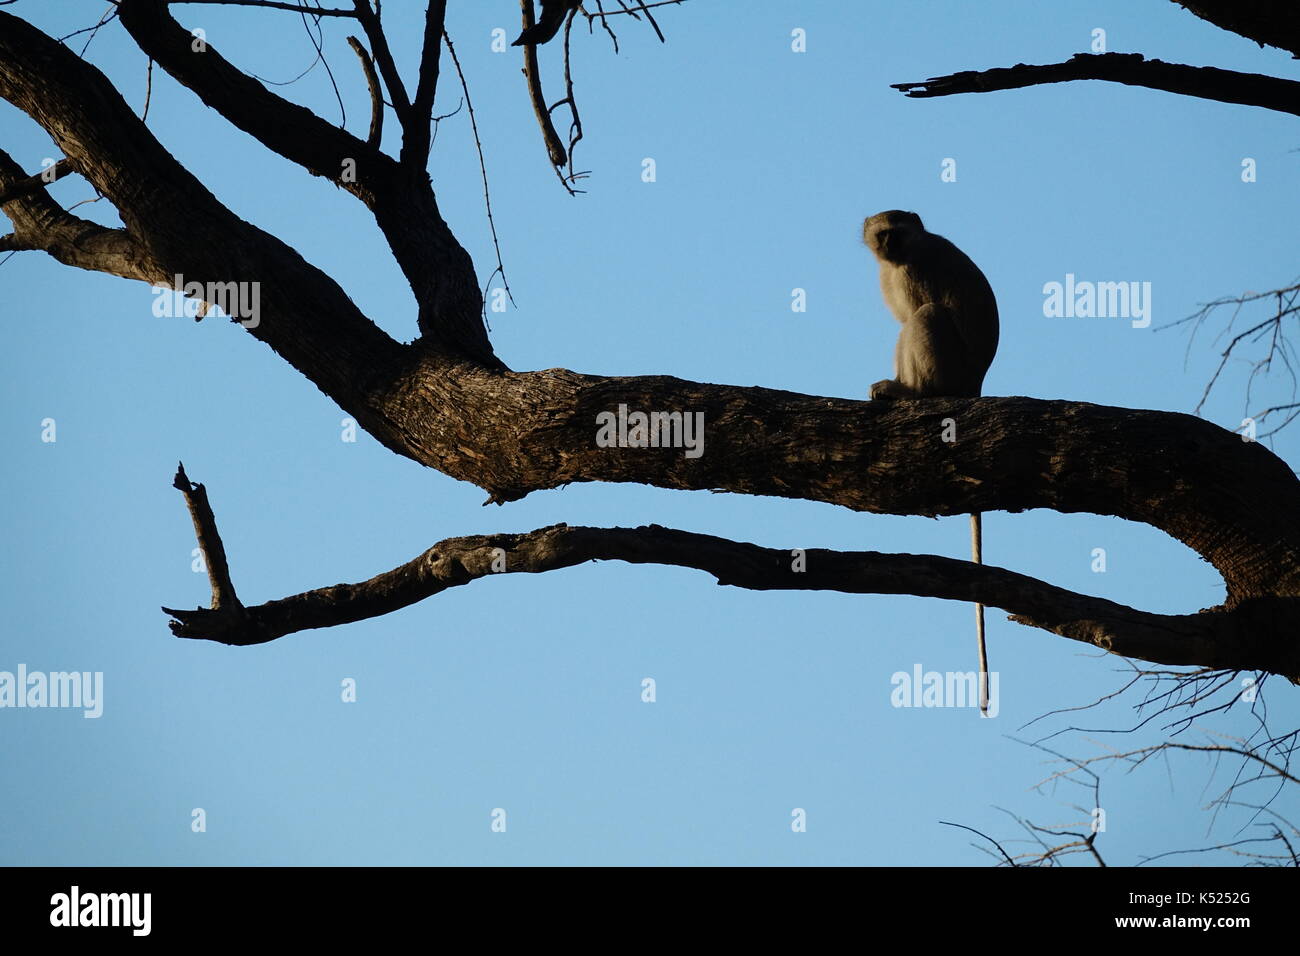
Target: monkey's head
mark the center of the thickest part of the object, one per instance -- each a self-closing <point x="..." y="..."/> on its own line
<point x="887" y="233"/>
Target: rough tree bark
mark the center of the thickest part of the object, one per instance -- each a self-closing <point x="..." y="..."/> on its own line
<point x="445" y="400"/>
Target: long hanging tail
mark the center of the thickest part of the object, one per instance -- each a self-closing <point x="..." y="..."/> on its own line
<point x="977" y="555"/>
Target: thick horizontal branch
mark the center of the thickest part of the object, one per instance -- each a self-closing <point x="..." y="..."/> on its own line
<point x="1209" y="640"/>
<point x="1132" y="69"/>
<point x="1233" y="502"/>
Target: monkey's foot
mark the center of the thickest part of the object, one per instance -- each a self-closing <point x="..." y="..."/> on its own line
<point x="885" y="390"/>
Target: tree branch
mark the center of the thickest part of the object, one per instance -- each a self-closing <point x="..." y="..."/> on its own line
<point x="1132" y="69"/>
<point x="553" y="16"/>
<point x="533" y="79"/>
<point x="314" y="11"/>
<point x="16" y="189"/>
<point x="205" y="530"/>
<point x="439" y="270"/>
<point x="292" y="131"/>
<point x="1269" y="22"/>
<point x="42" y="224"/>
<point x="384" y="57"/>
<point x="180" y="226"/>
<point x="376" y="133"/>
<point x="415" y="142"/>
<point x="1210" y="640"/>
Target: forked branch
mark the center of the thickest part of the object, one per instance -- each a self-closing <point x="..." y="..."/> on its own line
<point x="1208" y="639"/>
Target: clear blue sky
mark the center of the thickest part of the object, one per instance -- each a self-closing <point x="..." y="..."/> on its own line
<point x="523" y="692"/>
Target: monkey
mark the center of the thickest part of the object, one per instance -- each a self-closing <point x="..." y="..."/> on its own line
<point x="552" y="18"/>
<point x="944" y="303"/>
<point x="949" y="334"/>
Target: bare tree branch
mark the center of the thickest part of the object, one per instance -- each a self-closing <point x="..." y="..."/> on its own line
<point x="40" y="223"/>
<point x="1264" y="21"/>
<point x="553" y="15"/>
<point x="384" y="58"/>
<point x="1131" y="69"/>
<point x="415" y="141"/>
<point x="376" y="134"/>
<point x="314" y="11"/>
<point x="438" y="269"/>
<point x="1286" y="305"/>
<point x="205" y="530"/>
<point x="644" y="7"/>
<point x="532" y="78"/>
<point x="36" y="182"/>
<point x="1006" y="857"/>
<point x="1198" y="639"/>
<point x="293" y="131"/>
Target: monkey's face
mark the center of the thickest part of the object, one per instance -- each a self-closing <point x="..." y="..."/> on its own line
<point x="887" y="233"/>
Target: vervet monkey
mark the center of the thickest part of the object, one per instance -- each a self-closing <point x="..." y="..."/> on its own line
<point x="949" y="334"/>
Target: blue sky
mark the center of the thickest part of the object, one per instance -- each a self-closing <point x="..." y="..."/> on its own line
<point x="524" y="692"/>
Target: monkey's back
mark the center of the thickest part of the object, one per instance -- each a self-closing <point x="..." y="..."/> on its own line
<point x="935" y="271"/>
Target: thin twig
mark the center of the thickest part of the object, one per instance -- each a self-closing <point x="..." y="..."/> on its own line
<point x="276" y="5"/>
<point x="148" y="89"/>
<point x="108" y="15"/>
<point x="641" y="6"/>
<point x="487" y="196"/>
<point x="1006" y="856"/>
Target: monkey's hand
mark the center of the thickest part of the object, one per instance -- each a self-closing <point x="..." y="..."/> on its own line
<point x="887" y="390"/>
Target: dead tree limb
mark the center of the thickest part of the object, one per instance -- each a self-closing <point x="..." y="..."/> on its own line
<point x="1131" y="69"/>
